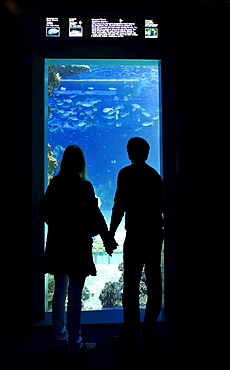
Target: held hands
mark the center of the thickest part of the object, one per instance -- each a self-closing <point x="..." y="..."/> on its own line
<point x="110" y="244"/>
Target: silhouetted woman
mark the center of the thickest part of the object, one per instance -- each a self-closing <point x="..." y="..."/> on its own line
<point x="70" y="209"/>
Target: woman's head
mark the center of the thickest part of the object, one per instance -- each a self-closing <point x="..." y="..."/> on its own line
<point x="138" y="149"/>
<point x="73" y="162"/>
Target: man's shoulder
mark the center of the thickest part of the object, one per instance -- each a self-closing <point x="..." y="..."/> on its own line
<point x="125" y="169"/>
<point x="142" y="169"/>
<point x="125" y="172"/>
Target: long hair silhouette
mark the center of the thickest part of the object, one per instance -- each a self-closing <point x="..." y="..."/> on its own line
<point x="73" y="162"/>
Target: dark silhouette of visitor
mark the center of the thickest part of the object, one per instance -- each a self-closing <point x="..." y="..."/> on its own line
<point x="70" y="209"/>
<point x="139" y="195"/>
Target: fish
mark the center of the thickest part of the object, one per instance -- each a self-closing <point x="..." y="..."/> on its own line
<point x="106" y="110"/>
<point x="111" y="112"/>
<point x="67" y="113"/>
<point x="88" y="125"/>
<point x="70" y="125"/>
<point x="73" y="126"/>
<point x="138" y="129"/>
<point x="84" y="103"/>
<point x="89" y="112"/>
<point x="137" y="106"/>
<point x="109" y="117"/>
<point x="73" y="119"/>
<point x="81" y="124"/>
<point x="52" y="122"/>
<point x="53" y="128"/>
<point x="112" y="88"/>
<point x="94" y="101"/>
<point x="68" y="100"/>
<point x="124" y="114"/>
<point x="90" y="88"/>
<point x="119" y="106"/>
<point x="146" y="114"/>
<point x="146" y="124"/>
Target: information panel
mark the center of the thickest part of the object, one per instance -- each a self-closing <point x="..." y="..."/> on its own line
<point x="75" y="27"/>
<point x="101" y="27"/>
<point x="151" y="29"/>
<point x="52" y="27"/>
<point x="81" y="27"/>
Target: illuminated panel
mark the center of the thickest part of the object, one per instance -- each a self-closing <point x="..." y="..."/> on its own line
<point x="151" y="29"/>
<point x="52" y="27"/>
<point x="75" y="27"/>
<point x="101" y="27"/>
<point x="81" y="27"/>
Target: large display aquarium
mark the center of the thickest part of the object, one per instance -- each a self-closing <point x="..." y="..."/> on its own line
<point x="99" y="104"/>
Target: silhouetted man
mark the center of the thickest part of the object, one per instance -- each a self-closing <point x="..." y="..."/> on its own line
<point x="139" y="195"/>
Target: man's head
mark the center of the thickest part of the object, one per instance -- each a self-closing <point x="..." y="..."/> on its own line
<point x="138" y="149"/>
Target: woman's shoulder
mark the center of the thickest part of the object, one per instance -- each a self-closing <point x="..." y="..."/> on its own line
<point x="72" y="183"/>
<point x="87" y="184"/>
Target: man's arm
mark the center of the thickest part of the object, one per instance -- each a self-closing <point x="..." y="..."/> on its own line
<point x="119" y="206"/>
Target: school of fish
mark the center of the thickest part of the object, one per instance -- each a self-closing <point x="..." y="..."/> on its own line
<point x="68" y="112"/>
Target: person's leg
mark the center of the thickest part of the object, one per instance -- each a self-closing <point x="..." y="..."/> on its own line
<point x="74" y="314"/>
<point x="154" y="291"/>
<point x="58" y="310"/>
<point x="133" y="266"/>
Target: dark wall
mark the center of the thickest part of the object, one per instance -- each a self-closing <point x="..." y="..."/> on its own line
<point x="202" y="79"/>
<point x="201" y="56"/>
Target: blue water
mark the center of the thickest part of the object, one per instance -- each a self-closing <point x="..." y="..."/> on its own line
<point x="100" y="111"/>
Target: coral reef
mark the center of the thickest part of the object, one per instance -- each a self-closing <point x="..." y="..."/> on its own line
<point x="53" y="78"/>
<point x="143" y="290"/>
<point x="111" y="294"/>
<point x="57" y="72"/>
<point x="85" y="296"/>
<point x="52" y="163"/>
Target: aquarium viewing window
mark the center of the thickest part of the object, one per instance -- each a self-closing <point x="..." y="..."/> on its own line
<point x="100" y="104"/>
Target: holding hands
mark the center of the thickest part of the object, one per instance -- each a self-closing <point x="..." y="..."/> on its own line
<point x="110" y="243"/>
